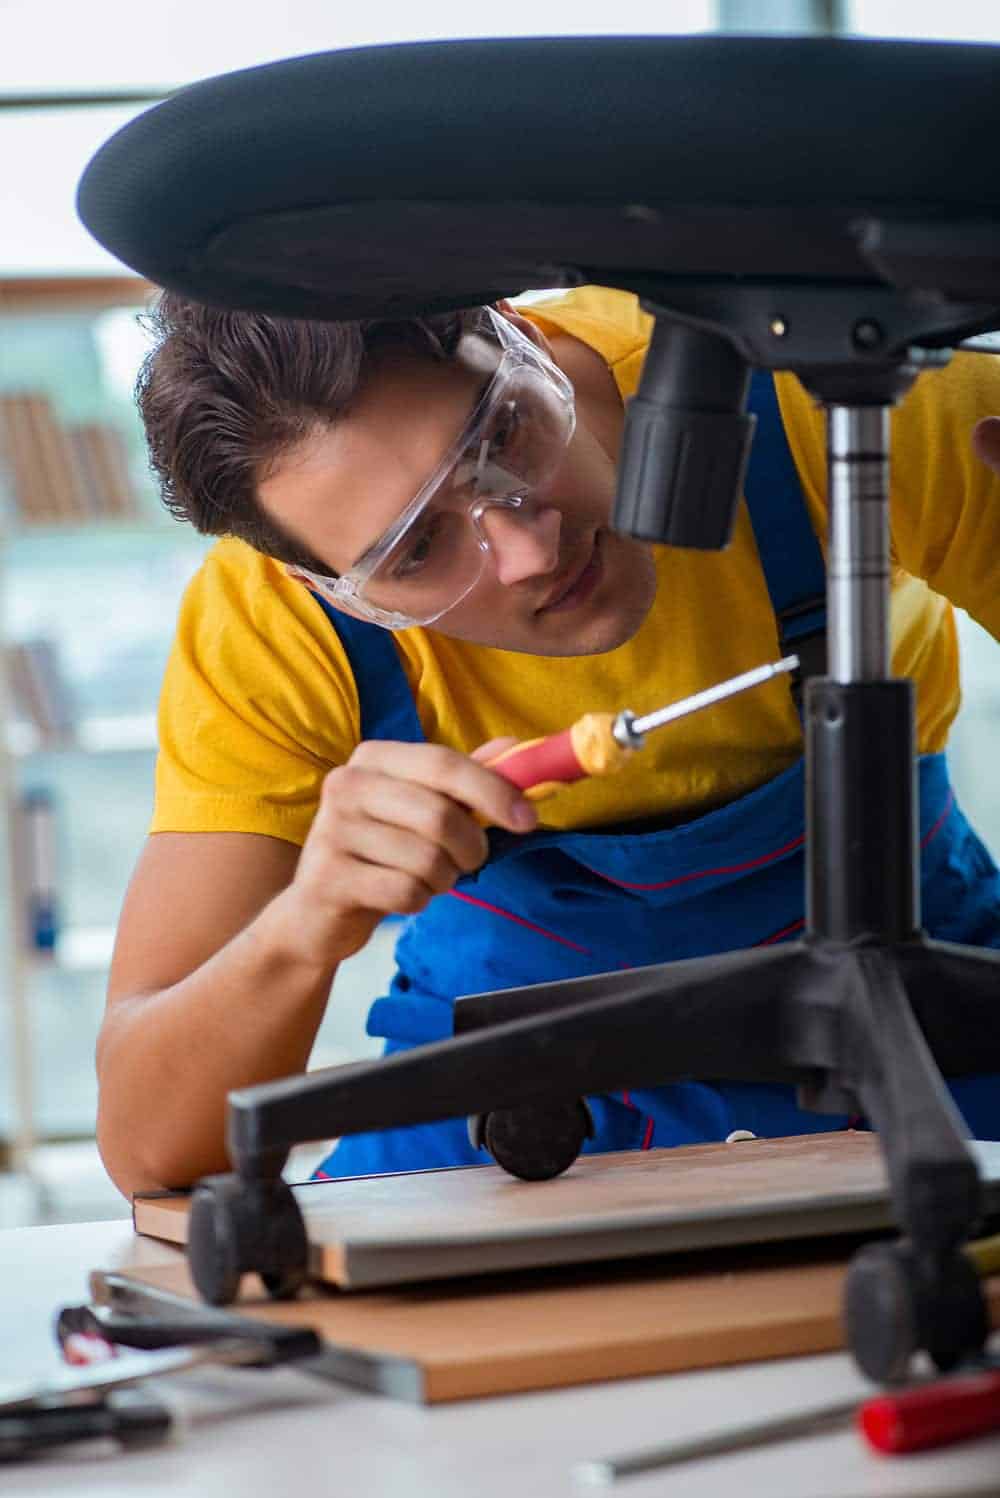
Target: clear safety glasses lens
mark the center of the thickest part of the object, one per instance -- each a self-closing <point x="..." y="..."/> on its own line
<point x="441" y="550"/>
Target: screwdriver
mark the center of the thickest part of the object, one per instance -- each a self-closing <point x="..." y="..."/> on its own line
<point x="929" y="1415"/>
<point x="933" y="1415"/>
<point x="598" y="743"/>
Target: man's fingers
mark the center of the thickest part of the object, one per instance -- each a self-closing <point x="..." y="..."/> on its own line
<point x="458" y="776"/>
<point x="400" y="851"/>
<point x="370" y="808"/>
<point x="388" y="891"/>
<point x="492" y="748"/>
<point x="397" y="825"/>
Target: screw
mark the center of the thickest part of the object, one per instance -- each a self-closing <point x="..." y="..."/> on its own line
<point x="778" y="327"/>
<point x="867" y="334"/>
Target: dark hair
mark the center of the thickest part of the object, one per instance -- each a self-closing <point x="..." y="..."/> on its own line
<point x="223" y="394"/>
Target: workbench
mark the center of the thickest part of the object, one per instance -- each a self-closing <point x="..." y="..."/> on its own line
<point x="255" y="1434"/>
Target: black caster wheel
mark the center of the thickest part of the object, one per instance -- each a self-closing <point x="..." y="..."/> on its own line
<point x="893" y="1310"/>
<point x="213" y="1246"/>
<point x="284" y="1285"/>
<point x="881" y="1314"/>
<point x="957" y="1320"/>
<point x="536" y="1141"/>
<point x="239" y="1226"/>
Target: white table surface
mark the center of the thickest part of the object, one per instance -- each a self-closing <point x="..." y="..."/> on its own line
<point x="261" y="1434"/>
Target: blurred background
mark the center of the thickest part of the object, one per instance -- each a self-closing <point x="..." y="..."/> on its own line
<point x="91" y="571"/>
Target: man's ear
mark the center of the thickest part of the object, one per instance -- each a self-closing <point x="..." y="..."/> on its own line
<point x="526" y="326"/>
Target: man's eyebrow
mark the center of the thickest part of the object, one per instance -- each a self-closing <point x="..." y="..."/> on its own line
<point x="463" y="438"/>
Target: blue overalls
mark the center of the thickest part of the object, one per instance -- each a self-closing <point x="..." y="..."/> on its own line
<point x="556" y="905"/>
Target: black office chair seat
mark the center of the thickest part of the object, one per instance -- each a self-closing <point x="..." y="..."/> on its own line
<point x="402" y="179"/>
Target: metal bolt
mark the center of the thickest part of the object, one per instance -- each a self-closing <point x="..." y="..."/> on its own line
<point x="778" y="327"/>
<point x="867" y="334"/>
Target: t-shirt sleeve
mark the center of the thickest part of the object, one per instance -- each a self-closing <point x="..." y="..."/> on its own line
<point x="610" y="321"/>
<point x="258" y="703"/>
<point x="946" y="502"/>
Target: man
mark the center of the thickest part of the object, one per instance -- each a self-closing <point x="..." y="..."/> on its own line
<point x="423" y="566"/>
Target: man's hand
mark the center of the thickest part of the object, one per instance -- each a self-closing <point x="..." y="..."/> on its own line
<point x="986" y="441"/>
<point x="396" y="825"/>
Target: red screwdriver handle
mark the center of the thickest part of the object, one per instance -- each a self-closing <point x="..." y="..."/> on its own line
<point x="538" y="763"/>
<point x="933" y="1415"/>
<point x="540" y="766"/>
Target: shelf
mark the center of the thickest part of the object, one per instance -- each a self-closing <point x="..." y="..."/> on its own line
<point x="91" y="580"/>
<point x="123" y="734"/>
<point x="80" y="949"/>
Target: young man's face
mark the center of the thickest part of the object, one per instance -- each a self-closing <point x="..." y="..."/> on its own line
<point x="556" y="579"/>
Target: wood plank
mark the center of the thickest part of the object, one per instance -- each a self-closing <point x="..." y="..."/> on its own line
<point x="544" y="1329"/>
<point x="377" y="1230"/>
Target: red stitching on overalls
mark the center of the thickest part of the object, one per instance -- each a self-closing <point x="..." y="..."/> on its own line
<point x="940" y="821"/>
<point x="666" y="884"/>
<point x="519" y="920"/>
<point x="785" y="931"/>
<point x="647" y="1137"/>
<point x="928" y="836"/>
<point x="735" y="868"/>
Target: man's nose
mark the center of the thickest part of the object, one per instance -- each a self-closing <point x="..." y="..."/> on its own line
<point x="522" y="543"/>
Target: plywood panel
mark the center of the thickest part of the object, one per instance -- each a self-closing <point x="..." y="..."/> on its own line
<point x="544" y="1329"/>
<point x="380" y="1230"/>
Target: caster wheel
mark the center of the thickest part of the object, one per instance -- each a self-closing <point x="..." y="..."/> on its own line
<point x="537" y="1141"/>
<point x="237" y="1227"/>
<point x="957" y="1320"/>
<point x="213" y="1245"/>
<point x="881" y="1311"/>
<point x="894" y="1308"/>
<point x="286" y="1285"/>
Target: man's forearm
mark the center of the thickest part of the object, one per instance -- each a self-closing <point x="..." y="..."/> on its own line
<point x="167" y="1060"/>
<point x="396" y="826"/>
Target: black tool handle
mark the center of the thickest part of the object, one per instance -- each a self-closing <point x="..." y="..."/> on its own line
<point x="128" y="1417"/>
<point x="149" y="1330"/>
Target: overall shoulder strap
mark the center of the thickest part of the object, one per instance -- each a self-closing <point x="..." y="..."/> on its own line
<point x="786" y="542"/>
<point x="387" y="707"/>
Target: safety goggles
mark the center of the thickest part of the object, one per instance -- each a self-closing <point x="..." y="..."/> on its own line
<point x="437" y="549"/>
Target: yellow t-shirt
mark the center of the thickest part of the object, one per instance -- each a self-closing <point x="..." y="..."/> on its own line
<point x="259" y="702"/>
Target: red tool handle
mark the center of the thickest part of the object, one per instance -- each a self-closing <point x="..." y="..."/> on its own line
<point x="540" y="766"/>
<point x="933" y="1415"/>
<point x="539" y="761"/>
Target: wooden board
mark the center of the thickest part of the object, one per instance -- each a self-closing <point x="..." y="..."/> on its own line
<point x="545" y="1329"/>
<point x="380" y="1230"/>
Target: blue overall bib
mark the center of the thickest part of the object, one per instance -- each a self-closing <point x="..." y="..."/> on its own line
<point x="554" y="905"/>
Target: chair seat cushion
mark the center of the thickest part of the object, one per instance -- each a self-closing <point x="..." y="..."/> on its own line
<point x="388" y="180"/>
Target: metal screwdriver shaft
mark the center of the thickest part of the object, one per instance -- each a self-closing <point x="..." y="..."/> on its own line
<point x="630" y="730"/>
